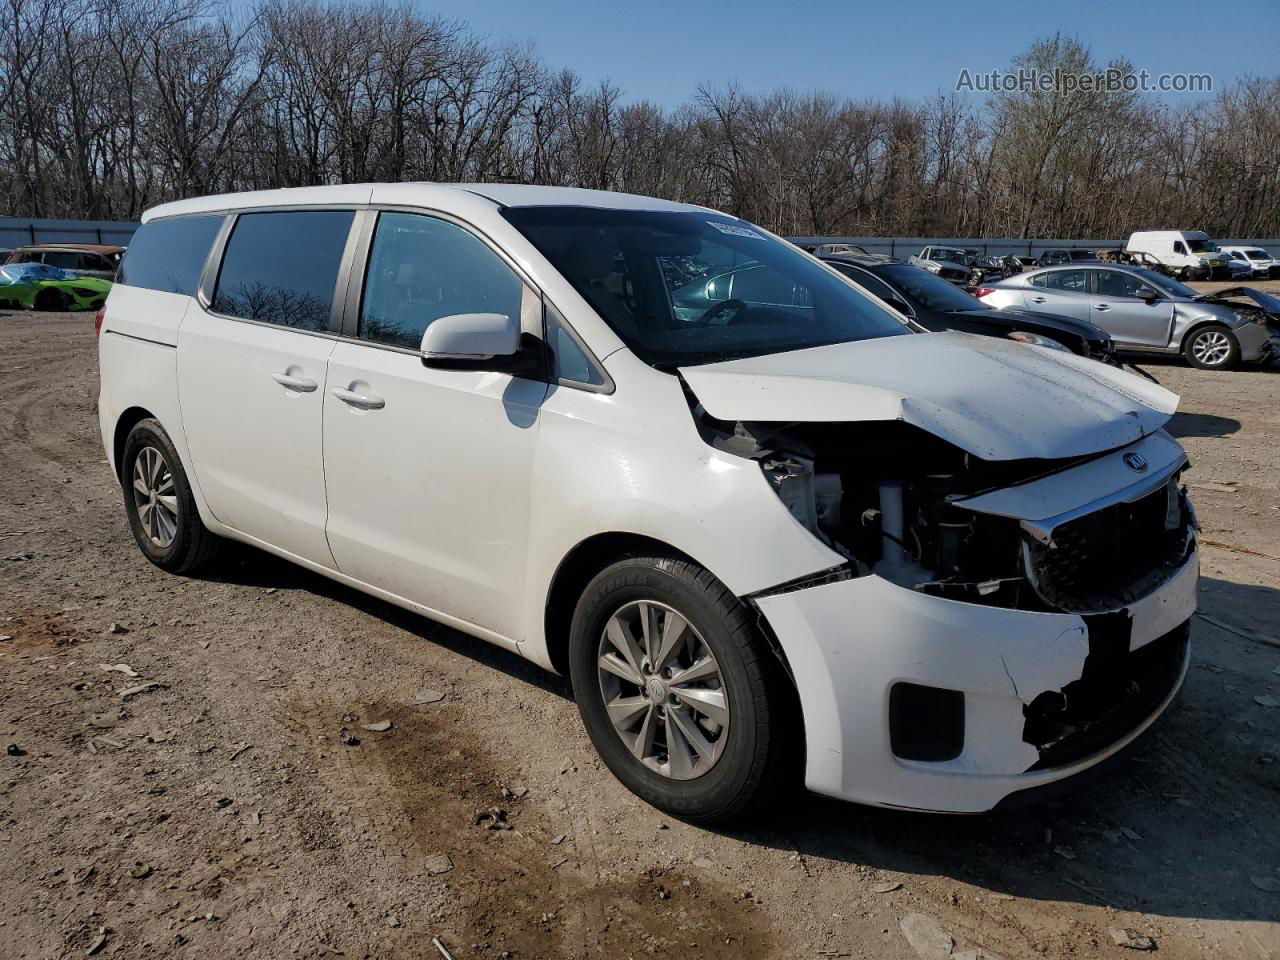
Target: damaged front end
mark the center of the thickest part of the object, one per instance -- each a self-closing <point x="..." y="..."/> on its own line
<point x="1090" y="540"/>
<point x="907" y="506"/>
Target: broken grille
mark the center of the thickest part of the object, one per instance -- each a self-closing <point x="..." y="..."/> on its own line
<point x="1113" y="557"/>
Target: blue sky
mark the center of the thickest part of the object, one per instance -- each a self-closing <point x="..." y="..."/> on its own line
<point x="661" y="50"/>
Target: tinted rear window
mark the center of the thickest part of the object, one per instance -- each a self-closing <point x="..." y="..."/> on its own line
<point x="169" y="255"/>
<point x="281" y="267"/>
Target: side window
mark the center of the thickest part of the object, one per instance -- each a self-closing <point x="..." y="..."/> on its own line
<point x="1113" y="283"/>
<point x="1179" y="247"/>
<point x="421" y="269"/>
<point x="569" y="360"/>
<point x="1065" y="281"/>
<point x="63" y="260"/>
<point x="872" y="284"/>
<point x="281" y="268"/>
<point x="169" y="255"/>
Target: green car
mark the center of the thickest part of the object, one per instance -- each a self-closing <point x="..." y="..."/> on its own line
<point x="38" y="286"/>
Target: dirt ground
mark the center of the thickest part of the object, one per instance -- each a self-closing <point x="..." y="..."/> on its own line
<point x="218" y="814"/>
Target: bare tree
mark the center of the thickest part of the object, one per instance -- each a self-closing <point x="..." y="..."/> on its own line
<point x="109" y="106"/>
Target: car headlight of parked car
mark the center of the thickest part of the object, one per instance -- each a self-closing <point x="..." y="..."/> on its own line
<point x="1036" y="340"/>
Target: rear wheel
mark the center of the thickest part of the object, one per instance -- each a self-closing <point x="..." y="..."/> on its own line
<point x="157" y="495"/>
<point x="1213" y="347"/>
<point x="680" y="694"/>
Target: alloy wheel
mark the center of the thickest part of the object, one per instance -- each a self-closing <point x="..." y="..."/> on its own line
<point x="663" y="690"/>
<point x="155" y="497"/>
<point x="1211" y="348"/>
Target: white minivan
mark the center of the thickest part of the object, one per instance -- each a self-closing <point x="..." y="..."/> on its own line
<point x="767" y="529"/>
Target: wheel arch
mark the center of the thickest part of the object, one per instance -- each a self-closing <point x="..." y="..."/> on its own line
<point x="1199" y="323"/>
<point x="127" y="420"/>
<point x="575" y="570"/>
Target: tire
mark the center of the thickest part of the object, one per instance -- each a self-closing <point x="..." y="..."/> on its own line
<point x="1184" y="274"/>
<point x="53" y="301"/>
<point x="752" y="751"/>
<point x="1212" y="347"/>
<point x="166" y="526"/>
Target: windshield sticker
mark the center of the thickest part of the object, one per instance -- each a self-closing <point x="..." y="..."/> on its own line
<point x="733" y="230"/>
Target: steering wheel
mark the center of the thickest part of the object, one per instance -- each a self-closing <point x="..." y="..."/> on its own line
<point x="729" y="309"/>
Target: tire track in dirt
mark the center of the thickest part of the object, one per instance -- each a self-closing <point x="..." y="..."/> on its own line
<point x="510" y="887"/>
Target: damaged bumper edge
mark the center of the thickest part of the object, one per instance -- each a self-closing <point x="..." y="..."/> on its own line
<point x="851" y="642"/>
<point x="1258" y="341"/>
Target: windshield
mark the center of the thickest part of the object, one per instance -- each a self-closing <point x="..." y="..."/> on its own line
<point x="928" y="289"/>
<point x="1257" y="255"/>
<point x="688" y="288"/>
<point x="1167" y="284"/>
<point x="1202" y="245"/>
<point x="19" y="272"/>
<point x="952" y="254"/>
<point x="1083" y="255"/>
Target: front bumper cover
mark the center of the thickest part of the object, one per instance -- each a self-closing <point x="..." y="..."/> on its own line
<point x="848" y="642"/>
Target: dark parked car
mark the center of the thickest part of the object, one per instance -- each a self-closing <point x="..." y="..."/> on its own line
<point x="1050" y="258"/>
<point x="937" y="305"/>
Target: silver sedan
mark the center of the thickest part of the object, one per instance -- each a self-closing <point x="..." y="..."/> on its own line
<point x="1145" y="311"/>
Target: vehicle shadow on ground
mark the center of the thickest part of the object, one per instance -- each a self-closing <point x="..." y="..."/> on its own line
<point x="1201" y="425"/>
<point x="1206" y="815"/>
<point x="250" y="567"/>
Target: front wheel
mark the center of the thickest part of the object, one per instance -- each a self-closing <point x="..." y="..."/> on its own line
<point x="1213" y="347"/>
<point x="681" y="696"/>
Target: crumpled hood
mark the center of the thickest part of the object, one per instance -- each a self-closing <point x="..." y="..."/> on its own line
<point x="1264" y="300"/>
<point x="996" y="399"/>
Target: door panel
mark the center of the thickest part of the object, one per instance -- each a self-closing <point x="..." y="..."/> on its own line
<point x="428" y="470"/>
<point x="251" y="387"/>
<point x="429" y="494"/>
<point x="1061" y="291"/>
<point x="1116" y="308"/>
<point x="255" y="437"/>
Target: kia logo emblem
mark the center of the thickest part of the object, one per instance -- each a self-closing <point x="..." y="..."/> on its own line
<point x="1135" y="461"/>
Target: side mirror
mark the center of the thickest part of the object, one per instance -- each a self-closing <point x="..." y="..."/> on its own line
<point x="470" y="339"/>
<point x="1148" y="295"/>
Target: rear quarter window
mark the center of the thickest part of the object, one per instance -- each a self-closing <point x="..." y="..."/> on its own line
<point x="169" y="255"/>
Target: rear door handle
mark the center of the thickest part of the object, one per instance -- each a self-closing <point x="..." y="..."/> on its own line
<point x="1101" y="306"/>
<point x="301" y="384"/>
<point x="1037" y="299"/>
<point x="369" y="401"/>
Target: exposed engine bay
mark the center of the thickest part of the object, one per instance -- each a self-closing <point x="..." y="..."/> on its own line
<point x="1249" y="303"/>
<point x="890" y="498"/>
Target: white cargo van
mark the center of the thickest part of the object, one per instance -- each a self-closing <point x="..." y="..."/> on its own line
<point x="1190" y="254"/>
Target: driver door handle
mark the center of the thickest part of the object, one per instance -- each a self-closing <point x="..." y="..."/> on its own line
<point x="301" y="384"/>
<point x="368" y="401"/>
<point x="1037" y="299"/>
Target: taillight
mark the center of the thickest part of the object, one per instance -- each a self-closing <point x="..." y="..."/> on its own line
<point x="983" y="291"/>
<point x="97" y="320"/>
